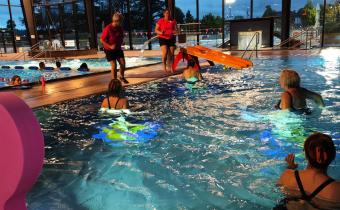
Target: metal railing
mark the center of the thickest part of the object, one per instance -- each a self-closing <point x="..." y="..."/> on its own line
<point x="307" y="35"/>
<point x="257" y="41"/>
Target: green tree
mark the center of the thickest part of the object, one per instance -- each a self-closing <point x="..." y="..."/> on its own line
<point x="211" y="21"/>
<point x="189" y="18"/>
<point x="179" y="15"/>
<point x="269" y="12"/>
<point x="308" y="14"/>
<point x="9" y="24"/>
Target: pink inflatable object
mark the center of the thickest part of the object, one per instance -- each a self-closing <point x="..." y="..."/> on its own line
<point x="21" y="151"/>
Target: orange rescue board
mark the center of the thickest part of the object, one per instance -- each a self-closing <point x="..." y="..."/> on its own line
<point x="218" y="57"/>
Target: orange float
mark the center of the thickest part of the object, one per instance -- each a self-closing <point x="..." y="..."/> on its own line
<point x="212" y="56"/>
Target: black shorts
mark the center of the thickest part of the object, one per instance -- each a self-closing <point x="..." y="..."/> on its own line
<point x="113" y="54"/>
<point x="168" y="42"/>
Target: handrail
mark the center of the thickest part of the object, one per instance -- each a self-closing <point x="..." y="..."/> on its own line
<point x="305" y="32"/>
<point x="256" y="34"/>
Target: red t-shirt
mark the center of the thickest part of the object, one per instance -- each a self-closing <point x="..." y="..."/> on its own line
<point x="113" y="35"/>
<point x="168" y="27"/>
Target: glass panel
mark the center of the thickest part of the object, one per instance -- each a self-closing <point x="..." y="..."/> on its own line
<point x="267" y="8"/>
<point x="188" y="7"/>
<point x="305" y="23"/>
<point x="332" y="23"/>
<point x="22" y="41"/>
<point x="211" y="22"/>
<point x="5" y="37"/>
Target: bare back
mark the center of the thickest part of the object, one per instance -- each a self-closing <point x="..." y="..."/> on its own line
<point x="115" y="103"/>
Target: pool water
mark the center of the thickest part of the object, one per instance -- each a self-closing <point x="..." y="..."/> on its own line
<point x="220" y="146"/>
<point x="95" y="66"/>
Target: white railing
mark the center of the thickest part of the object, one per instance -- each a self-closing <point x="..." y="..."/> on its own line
<point x="256" y="38"/>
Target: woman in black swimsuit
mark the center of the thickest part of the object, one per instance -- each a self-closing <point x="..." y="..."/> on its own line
<point x="294" y="97"/>
<point x="312" y="182"/>
<point x="114" y="99"/>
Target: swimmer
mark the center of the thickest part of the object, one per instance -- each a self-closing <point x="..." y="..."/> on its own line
<point x="114" y="96"/>
<point x="16" y="80"/>
<point x="312" y="182"/>
<point x="84" y="67"/>
<point x="58" y="65"/>
<point x="294" y="97"/>
<point x="42" y="66"/>
<point x="190" y="73"/>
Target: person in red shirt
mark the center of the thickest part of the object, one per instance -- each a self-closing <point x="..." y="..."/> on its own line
<point x="165" y="29"/>
<point x="112" y="40"/>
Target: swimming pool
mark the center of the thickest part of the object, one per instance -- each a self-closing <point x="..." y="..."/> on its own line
<point x="95" y="66"/>
<point x="216" y="147"/>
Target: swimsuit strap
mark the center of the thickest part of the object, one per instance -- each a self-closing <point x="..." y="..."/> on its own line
<point x="117" y="103"/>
<point x="320" y="188"/>
<point x="108" y="101"/>
<point x="298" y="180"/>
<point x="315" y="192"/>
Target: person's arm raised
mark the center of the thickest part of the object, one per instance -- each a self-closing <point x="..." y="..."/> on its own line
<point x="315" y="97"/>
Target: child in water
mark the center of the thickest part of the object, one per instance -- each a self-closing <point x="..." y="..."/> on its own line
<point x="191" y="74"/>
<point x="16" y="80"/>
<point x="114" y="99"/>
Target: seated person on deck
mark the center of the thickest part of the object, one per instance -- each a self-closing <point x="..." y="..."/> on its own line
<point x="114" y="99"/>
<point x="191" y="74"/>
<point x="312" y="183"/>
<point x="294" y="97"/>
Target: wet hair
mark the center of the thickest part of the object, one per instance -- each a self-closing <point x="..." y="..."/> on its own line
<point x="191" y="63"/>
<point x="41" y="65"/>
<point x="15" y="77"/>
<point x="83" y="66"/>
<point x="58" y="64"/>
<point x="115" y="88"/>
<point x="289" y="78"/>
<point x="319" y="150"/>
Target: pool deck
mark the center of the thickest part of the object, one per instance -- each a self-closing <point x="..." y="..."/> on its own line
<point x="62" y="90"/>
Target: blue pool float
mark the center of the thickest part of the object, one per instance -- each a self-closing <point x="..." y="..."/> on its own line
<point x="33" y="68"/>
<point x="19" y="67"/>
<point x="65" y="69"/>
<point x="5" y="67"/>
<point x="49" y="68"/>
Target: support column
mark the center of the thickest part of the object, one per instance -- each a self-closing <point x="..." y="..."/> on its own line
<point x="198" y="20"/>
<point x="89" y="7"/>
<point x="12" y="27"/>
<point x="61" y="23"/>
<point x="129" y="23"/>
<point x="251" y="9"/>
<point x="148" y="20"/>
<point x="285" y="21"/>
<point x="171" y="7"/>
<point x="323" y="23"/>
<point x="75" y="21"/>
<point x="223" y="22"/>
<point x="27" y="10"/>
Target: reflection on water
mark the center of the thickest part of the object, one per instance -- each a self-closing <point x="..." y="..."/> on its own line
<point x="219" y="148"/>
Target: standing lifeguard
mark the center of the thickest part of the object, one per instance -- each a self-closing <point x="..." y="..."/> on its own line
<point x="166" y="28"/>
<point x="112" y="40"/>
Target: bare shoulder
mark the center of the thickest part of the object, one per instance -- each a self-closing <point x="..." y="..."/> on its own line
<point x="287" y="179"/>
<point x="334" y="190"/>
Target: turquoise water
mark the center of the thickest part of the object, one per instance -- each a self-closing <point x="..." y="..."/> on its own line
<point x="95" y="65"/>
<point x="217" y="147"/>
